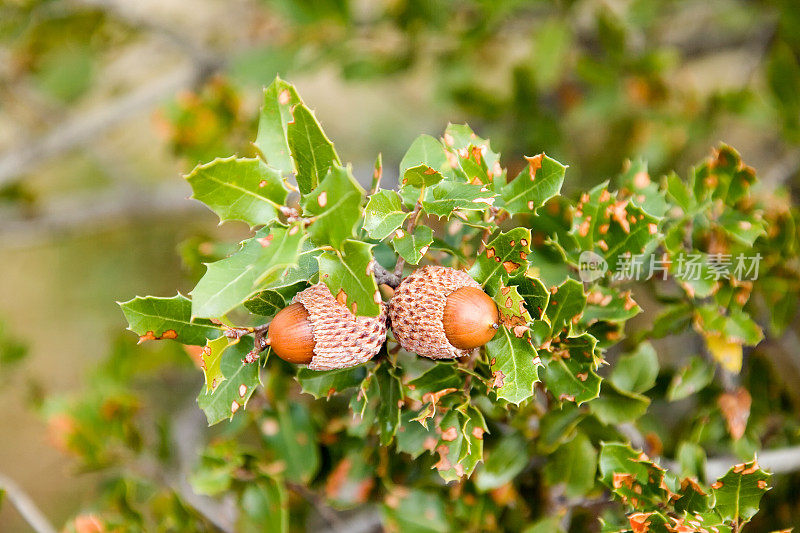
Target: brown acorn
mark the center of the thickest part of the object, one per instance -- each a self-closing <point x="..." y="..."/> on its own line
<point x="318" y="331"/>
<point x="442" y="313"/>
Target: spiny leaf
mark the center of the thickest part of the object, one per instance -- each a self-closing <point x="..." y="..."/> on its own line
<point x="460" y="445"/>
<point x="634" y="478"/>
<point x="239" y="189"/>
<point x="423" y="163"/>
<point x="565" y="306"/>
<point x="336" y="207"/>
<point x="738" y="492"/>
<point x="569" y="369"/>
<point x="534" y="293"/>
<point x="514" y="365"/>
<point x="384" y="214"/>
<point x="348" y="275"/>
<point x="240" y="382"/>
<point x="155" y="318"/>
<point x="271" y="141"/>
<point x="413" y="246"/>
<point x="505" y="256"/>
<point x="513" y="313"/>
<point x="312" y="151"/>
<point x="229" y="282"/>
<point x="447" y="197"/>
<point x="265" y="303"/>
<point x="540" y="181"/>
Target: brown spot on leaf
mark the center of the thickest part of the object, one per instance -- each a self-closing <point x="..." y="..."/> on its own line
<point x="341" y="297"/>
<point x="150" y="336"/>
<point x="265" y="241"/>
<point x="450" y="434"/>
<point x="762" y="484"/>
<point x="490" y="252"/>
<point x="717" y="485"/>
<point x="443" y="463"/>
<point x="284" y="97"/>
<point x="510" y="266"/>
<point x="322" y="199"/>
<point x="234" y="407"/>
<point x="534" y="164"/>
<point x="639" y="522"/>
<point x="477" y="432"/>
<point x="523" y="255"/>
<point x="429" y="171"/>
<point x="523" y="242"/>
<point x="499" y="379"/>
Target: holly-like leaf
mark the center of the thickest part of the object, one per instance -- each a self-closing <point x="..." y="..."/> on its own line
<point x="537" y="183"/>
<point x="211" y="358"/>
<point x="271" y="141"/>
<point x="575" y="465"/>
<point x="423" y="163"/>
<point x="614" y="229"/>
<point x="260" y="260"/>
<point x="348" y="275"/>
<point x="514" y="365"/>
<point x="609" y="305"/>
<point x="634" y="478"/>
<point x="384" y="214"/>
<point x="155" y="318"/>
<point x="460" y="446"/>
<point x="460" y="138"/>
<point x="391" y="393"/>
<point x="504" y="257"/>
<point x="691" y="378"/>
<point x="413" y="247"/>
<point x="569" y="369"/>
<point x="239" y="189"/>
<point x="636" y="372"/>
<point x="534" y="293"/>
<point x="644" y="193"/>
<point x="312" y="151"/>
<point x="738" y="492"/>
<point x="240" y="381"/>
<point x="336" y="207"/>
<point x="322" y="384"/>
<point x="413" y="438"/>
<point x="565" y="306"/>
<point x="447" y="197"/>
<point x="289" y="434"/>
<point x="513" y="313"/>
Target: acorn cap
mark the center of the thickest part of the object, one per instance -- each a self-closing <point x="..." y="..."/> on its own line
<point x="341" y="339"/>
<point x="417" y="308"/>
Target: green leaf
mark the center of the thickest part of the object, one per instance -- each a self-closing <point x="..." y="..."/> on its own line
<point x="550" y="524"/>
<point x="265" y="507"/>
<point x="693" y="377"/>
<point x="415" y="511"/>
<point x="312" y="151"/>
<point x="613" y="229"/>
<point x="569" y="369"/>
<point x="609" y="305"/>
<point x="413" y="438"/>
<point x="441" y="376"/>
<point x="155" y="318"/>
<point x="636" y="372"/>
<point x="634" y="478"/>
<point x="460" y="138"/>
<point x="505" y="256"/>
<point x="447" y="197"/>
<point x="260" y="260"/>
<point x="615" y="406"/>
<point x="460" y="446"/>
<point x="212" y="360"/>
<point x="534" y="293"/>
<point x="265" y="303"/>
<point x="413" y="247"/>
<point x="324" y="383"/>
<point x="289" y="434"/>
<point x="575" y="465"/>
<point x="567" y="303"/>
<point x="423" y="163"/>
<point x="503" y="462"/>
<point x="336" y="207"/>
<point x="513" y="313"/>
<point x="540" y="181"/>
<point x="738" y="492"/>
<point x="239" y="189"/>
<point x="514" y="365"/>
<point x="271" y="141"/>
<point x="384" y="214"/>
<point x="557" y="426"/>
<point x="240" y="382"/>
<point x="391" y="392"/>
<point x="350" y="271"/>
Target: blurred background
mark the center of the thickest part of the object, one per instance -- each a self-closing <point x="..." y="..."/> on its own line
<point x="105" y="103"/>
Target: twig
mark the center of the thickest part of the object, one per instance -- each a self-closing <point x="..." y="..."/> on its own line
<point x="260" y="339"/>
<point x="383" y="276"/>
<point x="25" y="505"/>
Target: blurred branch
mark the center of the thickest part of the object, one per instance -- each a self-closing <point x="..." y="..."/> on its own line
<point x="779" y="461"/>
<point x="88" y="125"/>
<point x="24" y="504"/>
<point x="98" y="210"/>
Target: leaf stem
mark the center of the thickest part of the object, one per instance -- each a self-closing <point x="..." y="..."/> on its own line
<point x="260" y="339"/>
<point x="383" y="276"/>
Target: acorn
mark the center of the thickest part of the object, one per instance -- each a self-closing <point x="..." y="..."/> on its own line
<point x="442" y="313"/>
<point x="318" y="331"/>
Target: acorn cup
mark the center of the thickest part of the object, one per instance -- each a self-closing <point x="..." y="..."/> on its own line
<point x="318" y="331"/>
<point x="442" y="313"/>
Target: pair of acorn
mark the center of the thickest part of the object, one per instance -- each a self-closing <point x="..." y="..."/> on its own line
<point x="436" y="312"/>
